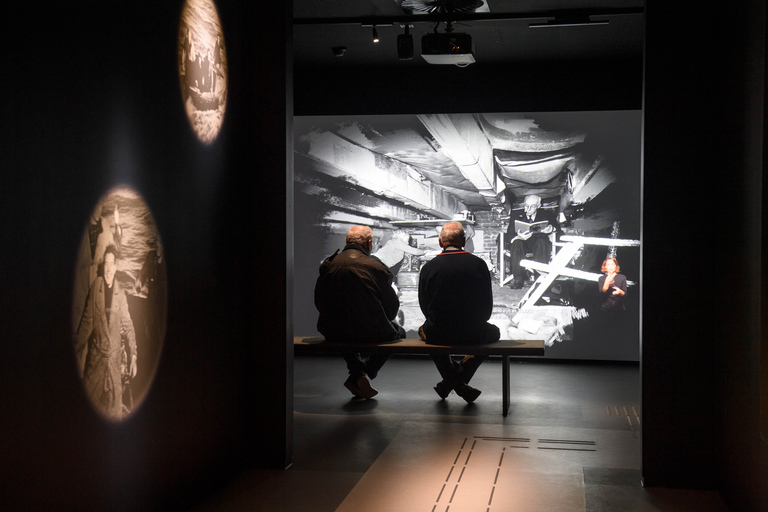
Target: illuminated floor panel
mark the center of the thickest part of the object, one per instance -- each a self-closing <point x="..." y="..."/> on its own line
<point x="463" y="467"/>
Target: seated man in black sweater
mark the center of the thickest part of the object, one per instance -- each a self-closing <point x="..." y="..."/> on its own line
<point x="456" y="299"/>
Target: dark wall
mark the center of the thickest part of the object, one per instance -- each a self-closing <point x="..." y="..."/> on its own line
<point x="90" y="99"/>
<point x="701" y="295"/>
<point x="533" y="87"/>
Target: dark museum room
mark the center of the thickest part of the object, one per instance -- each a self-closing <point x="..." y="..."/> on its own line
<point x="155" y="360"/>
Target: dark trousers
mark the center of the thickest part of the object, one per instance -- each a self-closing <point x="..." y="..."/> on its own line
<point x="462" y="370"/>
<point x="370" y="366"/>
<point x="538" y="245"/>
<point x="450" y="368"/>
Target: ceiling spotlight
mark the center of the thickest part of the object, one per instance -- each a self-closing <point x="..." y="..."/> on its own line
<point x="375" y="35"/>
<point x="339" y="51"/>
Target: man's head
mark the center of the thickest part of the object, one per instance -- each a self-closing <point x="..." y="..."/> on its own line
<point x="531" y="204"/>
<point x="110" y="264"/>
<point x="452" y="234"/>
<point x="362" y="235"/>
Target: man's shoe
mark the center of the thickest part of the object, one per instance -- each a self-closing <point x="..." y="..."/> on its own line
<point x="468" y="393"/>
<point x="443" y="389"/>
<point x="360" y="387"/>
<point x="351" y="385"/>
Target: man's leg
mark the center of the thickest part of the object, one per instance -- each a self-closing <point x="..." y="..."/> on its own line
<point x="374" y="363"/>
<point x="470" y="364"/>
<point x="445" y="365"/>
<point x="357" y="383"/>
<point x="376" y="360"/>
<point x="541" y="248"/>
<point x="517" y="253"/>
<point x="355" y="364"/>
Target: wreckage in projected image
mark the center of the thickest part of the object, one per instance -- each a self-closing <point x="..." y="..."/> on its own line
<point x="415" y="172"/>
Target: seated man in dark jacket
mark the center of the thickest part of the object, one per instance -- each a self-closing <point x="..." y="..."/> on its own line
<point x="357" y="303"/>
<point x="456" y="298"/>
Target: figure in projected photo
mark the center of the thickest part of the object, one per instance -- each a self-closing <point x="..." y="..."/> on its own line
<point x="105" y="230"/>
<point x="394" y="250"/>
<point x="528" y="233"/>
<point x="456" y="298"/>
<point x="357" y="303"/>
<point x="100" y="355"/>
<point x="612" y="285"/>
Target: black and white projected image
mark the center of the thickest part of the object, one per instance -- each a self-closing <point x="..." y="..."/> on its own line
<point x="406" y="175"/>
<point x="119" y="303"/>
<point x="203" y="68"/>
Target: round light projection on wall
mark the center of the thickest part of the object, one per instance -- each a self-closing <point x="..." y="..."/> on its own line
<point x="203" y="68"/>
<point x="119" y="303"/>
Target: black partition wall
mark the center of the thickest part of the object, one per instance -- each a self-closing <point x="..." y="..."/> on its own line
<point x="92" y="100"/>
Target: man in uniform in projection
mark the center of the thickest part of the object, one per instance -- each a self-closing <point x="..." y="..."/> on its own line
<point x="106" y="315"/>
<point x="456" y="298"/>
<point x="535" y="241"/>
<point x="357" y="303"/>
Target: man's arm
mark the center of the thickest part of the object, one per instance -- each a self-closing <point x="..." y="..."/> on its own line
<point x="388" y="294"/>
<point x="488" y="306"/>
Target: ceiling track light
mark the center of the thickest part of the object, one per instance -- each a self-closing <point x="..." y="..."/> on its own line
<point x="568" y="22"/>
<point x="405" y="45"/>
<point x="375" y="35"/>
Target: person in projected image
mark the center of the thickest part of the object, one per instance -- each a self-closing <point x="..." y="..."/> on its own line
<point x="612" y="286"/>
<point x="106" y="315"/>
<point x="394" y="250"/>
<point x="357" y="303"/>
<point x="456" y="298"/>
<point x="535" y="240"/>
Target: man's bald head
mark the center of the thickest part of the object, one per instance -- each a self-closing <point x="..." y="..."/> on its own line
<point x="452" y="234"/>
<point x="362" y="235"/>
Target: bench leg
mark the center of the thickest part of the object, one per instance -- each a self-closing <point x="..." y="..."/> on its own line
<point x="504" y="385"/>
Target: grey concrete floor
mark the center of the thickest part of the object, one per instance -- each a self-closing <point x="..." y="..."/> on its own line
<point x="346" y="450"/>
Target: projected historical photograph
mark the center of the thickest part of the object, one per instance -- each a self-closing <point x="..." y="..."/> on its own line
<point x="550" y="202"/>
<point x="203" y="68"/>
<point x="119" y="303"/>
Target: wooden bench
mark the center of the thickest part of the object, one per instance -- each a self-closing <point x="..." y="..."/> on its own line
<point x="503" y="348"/>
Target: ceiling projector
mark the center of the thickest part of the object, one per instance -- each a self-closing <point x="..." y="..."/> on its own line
<point x="447" y="48"/>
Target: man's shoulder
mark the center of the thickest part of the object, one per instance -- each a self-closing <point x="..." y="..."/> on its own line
<point x="352" y="257"/>
<point x="450" y="258"/>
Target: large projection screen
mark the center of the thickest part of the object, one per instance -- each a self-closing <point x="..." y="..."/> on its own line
<point x="406" y="175"/>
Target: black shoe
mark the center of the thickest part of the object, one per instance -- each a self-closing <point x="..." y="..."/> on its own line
<point x="351" y="385"/>
<point x="468" y="393"/>
<point x="360" y="387"/>
<point x="443" y="389"/>
<point x="516" y="284"/>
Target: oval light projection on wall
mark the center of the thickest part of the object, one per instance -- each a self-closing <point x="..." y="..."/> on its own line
<point x="203" y="68"/>
<point x="119" y="303"/>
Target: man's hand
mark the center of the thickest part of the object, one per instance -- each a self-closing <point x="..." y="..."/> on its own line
<point x="525" y="235"/>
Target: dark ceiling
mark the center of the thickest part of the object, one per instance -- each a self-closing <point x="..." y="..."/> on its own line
<point x="500" y="30"/>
